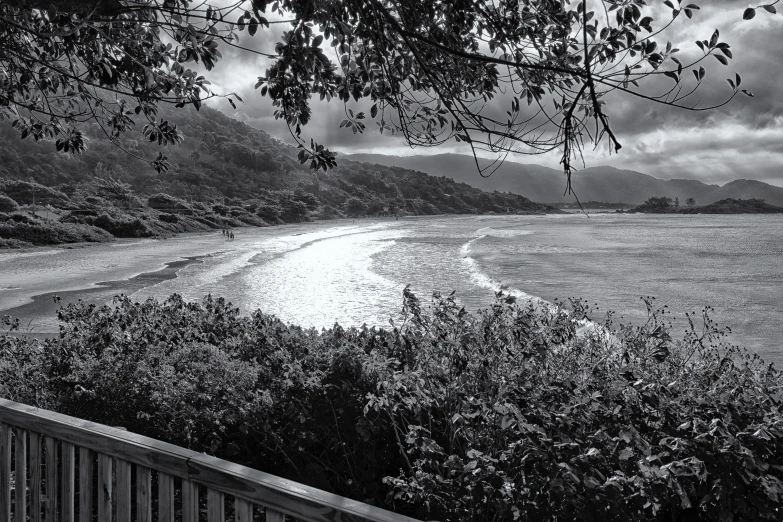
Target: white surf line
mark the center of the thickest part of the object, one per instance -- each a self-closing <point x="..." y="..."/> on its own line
<point x="483" y="280"/>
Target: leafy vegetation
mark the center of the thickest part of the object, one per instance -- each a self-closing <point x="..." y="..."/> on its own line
<point x="241" y="177"/>
<point x="663" y="205"/>
<point x="431" y="74"/>
<point x="20" y="230"/>
<point x="7" y="204"/>
<point x="518" y="412"/>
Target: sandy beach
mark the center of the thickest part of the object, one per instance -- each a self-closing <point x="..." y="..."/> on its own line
<point x="94" y="273"/>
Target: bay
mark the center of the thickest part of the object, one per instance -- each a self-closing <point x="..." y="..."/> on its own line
<point x="354" y="272"/>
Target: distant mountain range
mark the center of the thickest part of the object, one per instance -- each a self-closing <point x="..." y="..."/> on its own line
<point x="546" y="185"/>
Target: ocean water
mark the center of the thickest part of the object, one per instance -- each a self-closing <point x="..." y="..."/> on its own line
<point x="354" y="273"/>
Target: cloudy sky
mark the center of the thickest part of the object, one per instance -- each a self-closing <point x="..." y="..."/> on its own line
<point x="741" y="140"/>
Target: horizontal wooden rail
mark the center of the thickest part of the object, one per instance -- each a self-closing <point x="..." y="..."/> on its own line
<point x="111" y="490"/>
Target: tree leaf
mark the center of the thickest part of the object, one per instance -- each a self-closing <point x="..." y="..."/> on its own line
<point x="749" y="13"/>
<point x="721" y="59"/>
<point x="770" y="8"/>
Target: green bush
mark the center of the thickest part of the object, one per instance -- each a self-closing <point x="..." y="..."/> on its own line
<point x="26" y="193"/>
<point x="13" y="243"/>
<point x="44" y="232"/>
<point x="121" y="226"/>
<point x="519" y="412"/>
<point x="7" y="204"/>
<point x="166" y="202"/>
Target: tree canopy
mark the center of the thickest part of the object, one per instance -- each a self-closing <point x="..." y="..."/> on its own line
<point x="507" y="76"/>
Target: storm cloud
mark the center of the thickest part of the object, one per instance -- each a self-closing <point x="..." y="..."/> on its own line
<point x="743" y="139"/>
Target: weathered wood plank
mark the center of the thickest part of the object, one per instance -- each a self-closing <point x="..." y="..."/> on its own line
<point x="189" y="501"/>
<point x="274" y="516"/>
<point x="300" y="501"/>
<point x="123" y="494"/>
<point x="122" y="444"/>
<point x="50" y="446"/>
<point x="105" y="494"/>
<point x="35" y="477"/>
<point x="85" y="485"/>
<point x="289" y="497"/>
<point x="215" y="510"/>
<point x="143" y="494"/>
<point x="243" y="510"/>
<point x="20" y="469"/>
<point x="67" y="484"/>
<point x="165" y="498"/>
<point x="5" y="471"/>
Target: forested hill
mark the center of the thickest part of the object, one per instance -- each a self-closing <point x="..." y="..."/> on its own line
<point x="222" y="157"/>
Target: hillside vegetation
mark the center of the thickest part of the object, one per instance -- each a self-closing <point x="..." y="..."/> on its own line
<point x="507" y="415"/>
<point x="664" y="205"/>
<point x="224" y="174"/>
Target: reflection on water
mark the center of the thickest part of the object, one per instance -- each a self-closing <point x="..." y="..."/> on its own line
<point x="314" y="275"/>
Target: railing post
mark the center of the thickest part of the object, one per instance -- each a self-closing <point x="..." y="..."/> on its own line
<point x="104" y="488"/>
<point x="143" y="494"/>
<point x="243" y="510"/>
<point x="5" y="471"/>
<point x="123" y="491"/>
<point x="165" y="498"/>
<point x="274" y="516"/>
<point x="67" y="485"/>
<point x="189" y="501"/>
<point x="85" y="485"/>
<point x="215" y="511"/>
<point x="20" y="497"/>
<point x="51" y="479"/>
<point x="35" y="477"/>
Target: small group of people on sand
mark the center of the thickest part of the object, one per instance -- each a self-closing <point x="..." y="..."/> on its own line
<point x="229" y="234"/>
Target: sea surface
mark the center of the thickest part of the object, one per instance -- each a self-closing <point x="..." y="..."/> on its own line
<point x="354" y="272"/>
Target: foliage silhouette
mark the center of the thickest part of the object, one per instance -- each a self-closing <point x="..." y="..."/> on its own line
<point x="518" y="412"/>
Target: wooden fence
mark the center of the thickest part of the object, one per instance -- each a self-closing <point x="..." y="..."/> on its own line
<point x="55" y="468"/>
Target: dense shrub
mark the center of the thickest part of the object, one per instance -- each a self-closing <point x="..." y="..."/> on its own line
<point x="166" y="202"/>
<point x="13" y="243"/>
<point x="7" y="204"/>
<point x="271" y="213"/>
<point x="519" y="412"/>
<point x="44" y="232"/>
<point x="121" y="225"/>
<point x="26" y="193"/>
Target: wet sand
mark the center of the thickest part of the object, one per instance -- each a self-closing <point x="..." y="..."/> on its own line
<point x="94" y="273"/>
<point x="46" y="305"/>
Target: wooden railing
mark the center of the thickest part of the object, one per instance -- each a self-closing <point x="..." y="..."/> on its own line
<point x="55" y="468"/>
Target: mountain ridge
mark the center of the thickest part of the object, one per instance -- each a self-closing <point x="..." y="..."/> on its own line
<point x="600" y="183"/>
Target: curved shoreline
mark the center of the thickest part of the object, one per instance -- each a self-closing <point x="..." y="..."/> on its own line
<point x="46" y="305"/>
<point x="96" y="272"/>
